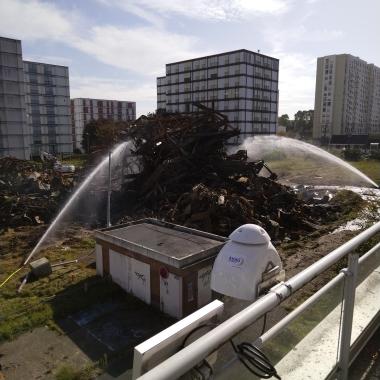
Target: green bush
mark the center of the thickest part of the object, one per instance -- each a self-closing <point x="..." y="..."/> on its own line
<point x="375" y="154"/>
<point x="352" y="154"/>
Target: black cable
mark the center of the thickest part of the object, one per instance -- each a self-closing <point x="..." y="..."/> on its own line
<point x="204" y="362"/>
<point x="196" y="329"/>
<point x="264" y="324"/>
<point x="255" y="360"/>
<point x="251" y="357"/>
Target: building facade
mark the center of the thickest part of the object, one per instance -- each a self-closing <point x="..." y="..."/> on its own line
<point x="84" y="110"/>
<point x="347" y="98"/>
<point x="48" y="107"/>
<point x="241" y="84"/>
<point x="15" y="133"/>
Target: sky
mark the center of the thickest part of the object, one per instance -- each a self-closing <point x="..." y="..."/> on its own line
<point x="115" y="49"/>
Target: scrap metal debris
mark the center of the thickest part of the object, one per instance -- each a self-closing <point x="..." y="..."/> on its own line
<point x="29" y="193"/>
<point x="188" y="177"/>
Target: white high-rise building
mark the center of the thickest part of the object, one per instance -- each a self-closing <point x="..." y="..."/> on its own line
<point x="34" y="105"/>
<point x="84" y="110"/>
<point x="347" y="98"/>
<point x="15" y="133"/>
<point x="241" y="84"/>
<point x="48" y="107"/>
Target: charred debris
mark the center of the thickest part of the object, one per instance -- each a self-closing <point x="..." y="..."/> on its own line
<point x="188" y="177"/>
<point x="31" y="193"/>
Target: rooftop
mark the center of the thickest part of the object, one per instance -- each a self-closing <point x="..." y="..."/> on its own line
<point x="165" y="242"/>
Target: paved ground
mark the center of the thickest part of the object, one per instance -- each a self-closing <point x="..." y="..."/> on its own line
<point x="37" y="354"/>
<point x="106" y="330"/>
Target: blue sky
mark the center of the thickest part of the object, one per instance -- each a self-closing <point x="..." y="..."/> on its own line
<point x="116" y="48"/>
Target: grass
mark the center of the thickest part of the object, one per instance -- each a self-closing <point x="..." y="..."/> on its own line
<point x="68" y="289"/>
<point x="78" y="160"/>
<point x="313" y="171"/>
<point x="66" y="372"/>
<point x="371" y="168"/>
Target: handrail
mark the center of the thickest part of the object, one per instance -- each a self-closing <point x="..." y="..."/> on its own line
<point x="271" y="333"/>
<point x="190" y="356"/>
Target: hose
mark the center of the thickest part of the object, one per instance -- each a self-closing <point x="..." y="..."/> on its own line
<point x="10" y="276"/>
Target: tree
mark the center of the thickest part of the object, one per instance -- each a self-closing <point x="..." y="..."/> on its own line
<point x="303" y="123"/>
<point x="284" y="120"/>
<point x="102" y="134"/>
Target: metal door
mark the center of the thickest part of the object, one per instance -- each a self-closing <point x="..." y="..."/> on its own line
<point x="170" y="295"/>
<point x="140" y="280"/>
<point x="120" y="269"/>
<point x="204" y="288"/>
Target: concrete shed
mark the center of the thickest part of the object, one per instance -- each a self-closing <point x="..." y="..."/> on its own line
<point x="163" y="264"/>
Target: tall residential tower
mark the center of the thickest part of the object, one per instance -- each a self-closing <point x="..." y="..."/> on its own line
<point x="241" y="84"/>
<point x="48" y="107"/>
<point x="34" y="105"/>
<point x="347" y="98"/>
<point x="15" y="133"/>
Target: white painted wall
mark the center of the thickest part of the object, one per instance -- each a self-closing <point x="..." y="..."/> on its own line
<point x="120" y="269"/>
<point x="140" y="280"/>
<point x="170" y="295"/>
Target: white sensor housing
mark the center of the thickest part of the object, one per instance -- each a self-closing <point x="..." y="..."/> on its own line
<point x="247" y="264"/>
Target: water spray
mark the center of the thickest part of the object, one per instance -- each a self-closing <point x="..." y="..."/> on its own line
<point x="70" y="202"/>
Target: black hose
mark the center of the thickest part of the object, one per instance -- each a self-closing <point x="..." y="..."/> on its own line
<point x="255" y="360"/>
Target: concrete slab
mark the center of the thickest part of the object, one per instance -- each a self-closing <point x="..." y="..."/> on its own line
<point x="165" y="242"/>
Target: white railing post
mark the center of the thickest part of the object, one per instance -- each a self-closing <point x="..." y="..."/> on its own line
<point x="351" y="274"/>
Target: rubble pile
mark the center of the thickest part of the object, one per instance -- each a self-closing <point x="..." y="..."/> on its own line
<point x="29" y="193"/>
<point x="187" y="177"/>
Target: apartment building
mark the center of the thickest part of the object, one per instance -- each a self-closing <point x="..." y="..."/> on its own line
<point x="83" y="110"/>
<point x="15" y="132"/>
<point x="48" y="107"/>
<point x="347" y="98"/>
<point x="241" y="84"/>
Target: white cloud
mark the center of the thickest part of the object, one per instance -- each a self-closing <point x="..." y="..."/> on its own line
<point x="296" y="82"/>
<point x="201" y="9"/>
<point x="282" y="39"/>
<point x="144" y="50"/>
<point x="30" y="20"/>
<point x="52" y="59"/>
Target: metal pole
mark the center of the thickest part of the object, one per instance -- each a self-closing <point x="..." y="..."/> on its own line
<point x="351" y="274"/>
<point x="109" y="191"/>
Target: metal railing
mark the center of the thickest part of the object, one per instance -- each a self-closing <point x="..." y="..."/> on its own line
<point x="187" y="358"/>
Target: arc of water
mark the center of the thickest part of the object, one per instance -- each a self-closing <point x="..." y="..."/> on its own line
<point x="288" y="143"/>
<point x="84" y="184"/>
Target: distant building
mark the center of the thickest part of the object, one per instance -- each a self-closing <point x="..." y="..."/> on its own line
<point x="83" y="110"/>
<point x="241" y="84"/>
<point x="347" y="98"/>
<point x="15" y="133"/>
<point x="48" y="107"/>
<point x="34" y="105"/>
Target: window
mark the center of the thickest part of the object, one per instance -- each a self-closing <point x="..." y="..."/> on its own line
<point x="214" y="76"/>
